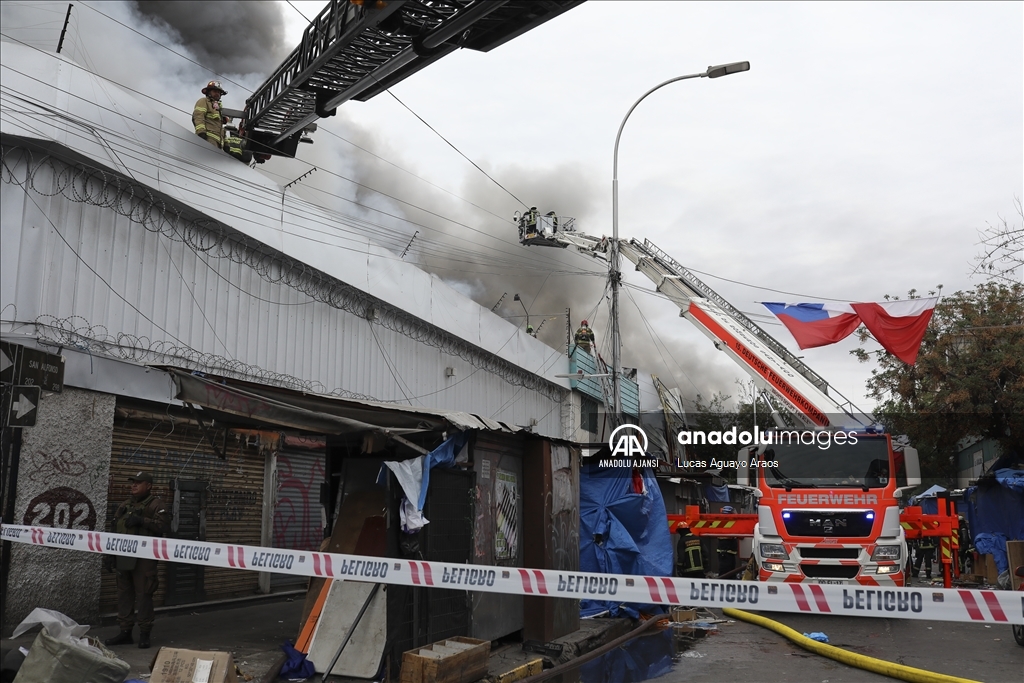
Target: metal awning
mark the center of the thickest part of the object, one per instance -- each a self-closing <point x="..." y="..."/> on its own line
<point x="317" y="412"/>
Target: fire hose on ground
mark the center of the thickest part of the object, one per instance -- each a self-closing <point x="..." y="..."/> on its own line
<point x="879" y="666"/>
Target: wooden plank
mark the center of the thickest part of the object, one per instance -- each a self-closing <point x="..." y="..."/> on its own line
<point x="531" y="668"/>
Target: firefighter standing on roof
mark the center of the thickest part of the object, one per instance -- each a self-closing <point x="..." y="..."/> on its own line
<point x="207" y="117"/>
<point x="585" y="336"/>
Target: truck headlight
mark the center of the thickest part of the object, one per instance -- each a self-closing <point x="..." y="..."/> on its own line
<point x="775" y="566"/>
<point x="888" y="569"/>
<point x="885" y="552"/>
<point x="774" y="551"/>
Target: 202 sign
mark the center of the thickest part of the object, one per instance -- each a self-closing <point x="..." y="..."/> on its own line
<point x="61" y="508"/>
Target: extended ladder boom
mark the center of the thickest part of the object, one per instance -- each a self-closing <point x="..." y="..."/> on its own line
<point x="355" y="50"/>
<point x="811" y="400"/>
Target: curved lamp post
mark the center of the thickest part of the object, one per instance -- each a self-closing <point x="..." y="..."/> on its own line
<point x="614" y="273"/>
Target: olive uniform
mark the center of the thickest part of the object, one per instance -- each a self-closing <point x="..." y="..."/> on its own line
<point x="136" y="577"/>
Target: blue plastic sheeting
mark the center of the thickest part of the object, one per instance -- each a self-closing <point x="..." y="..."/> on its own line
<point x="622" y="532"/>
<point x="1011" y="479"/>
<point x="716" y="494"/>
<point x="641" y="659"/>
<point x="442" y="456"/>
<point x="994" y="510"/>
<point x="994" y="545"/>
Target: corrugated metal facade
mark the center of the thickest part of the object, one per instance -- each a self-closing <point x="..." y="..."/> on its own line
<point x="197" y="306"/>
<point x="178" y="449"/>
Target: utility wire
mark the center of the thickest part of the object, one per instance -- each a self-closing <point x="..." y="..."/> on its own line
<point x="153" y="40"/>
<point x="509" y="192"/>
<point x="435" y="131"/>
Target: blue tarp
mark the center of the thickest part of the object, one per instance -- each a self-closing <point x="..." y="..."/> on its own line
<point x="994" y="545"/>
<point x="716" y="494"/>
<point x="995" y="512"/>
<point x="442" y="456"/>
<point x="621" y="532"/>
<point x="1011" y="479"/>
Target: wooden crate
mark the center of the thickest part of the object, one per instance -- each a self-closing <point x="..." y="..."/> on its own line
<point x="453" y="660"/>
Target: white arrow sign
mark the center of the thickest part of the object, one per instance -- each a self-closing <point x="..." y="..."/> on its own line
<point x="5" y="362"/>
<point x="23" y="406"/>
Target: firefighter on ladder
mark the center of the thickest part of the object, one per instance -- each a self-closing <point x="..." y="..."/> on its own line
<point x="584" y="337"/>
<point x="728" y="550"/>
<point x="211" y="124"/>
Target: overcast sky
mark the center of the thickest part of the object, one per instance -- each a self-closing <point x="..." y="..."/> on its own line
<point x="858" y="157"/>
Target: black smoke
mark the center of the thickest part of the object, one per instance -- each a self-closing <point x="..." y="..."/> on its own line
<point x="230" y="37"/>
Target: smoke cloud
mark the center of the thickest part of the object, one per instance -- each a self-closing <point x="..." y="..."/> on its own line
<point x="231" y="37"/>
<point x="465" y="233"/>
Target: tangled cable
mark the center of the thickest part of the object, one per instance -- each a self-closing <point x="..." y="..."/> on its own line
<point x="49" y="176"/>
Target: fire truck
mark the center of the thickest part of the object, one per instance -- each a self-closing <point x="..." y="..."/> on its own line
<point x="827" y="480"/>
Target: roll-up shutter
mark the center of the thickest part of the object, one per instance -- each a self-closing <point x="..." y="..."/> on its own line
<point x="230" y="511"/>
<point x="298" y="512"/>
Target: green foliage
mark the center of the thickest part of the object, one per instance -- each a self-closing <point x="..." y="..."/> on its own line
<point x="968" y="380"/>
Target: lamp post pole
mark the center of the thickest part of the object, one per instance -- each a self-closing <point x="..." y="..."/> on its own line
<point x="614" y="272"/>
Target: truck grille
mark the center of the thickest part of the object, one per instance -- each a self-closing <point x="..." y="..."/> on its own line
<point x="830" y="553"/>
<point x="829" y="571"/>
<point x="854" y="524"/>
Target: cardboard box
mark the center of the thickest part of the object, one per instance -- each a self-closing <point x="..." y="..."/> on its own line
<point x="455" y="660"/>
<point x="173" y="665"/>
<point x="1015" y="555"/>
<point x="683" y="614"/>
<point x="991" y="573"/>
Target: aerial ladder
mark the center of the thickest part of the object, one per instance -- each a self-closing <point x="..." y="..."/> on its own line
<point x="356" y="49"/>
<point x="809" y="400"/>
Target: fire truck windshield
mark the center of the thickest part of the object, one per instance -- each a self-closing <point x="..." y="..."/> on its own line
<point x="864" y="464"/>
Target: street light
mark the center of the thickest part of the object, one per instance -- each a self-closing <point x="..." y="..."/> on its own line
<point x="517" y="298"/>
<point x="614" y="273"/>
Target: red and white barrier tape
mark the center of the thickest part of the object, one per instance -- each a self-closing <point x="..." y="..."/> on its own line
<point x="992" y="607"/>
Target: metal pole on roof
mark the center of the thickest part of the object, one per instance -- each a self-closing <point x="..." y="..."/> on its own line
<point x="64" y="31"/>
<point x="614" y="271"/>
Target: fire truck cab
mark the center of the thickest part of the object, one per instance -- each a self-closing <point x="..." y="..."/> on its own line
<point x="828" y="508"/>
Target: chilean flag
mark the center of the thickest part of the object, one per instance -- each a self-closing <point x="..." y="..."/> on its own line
<point x="899" y="326"/>
<point x="814" y="325"/>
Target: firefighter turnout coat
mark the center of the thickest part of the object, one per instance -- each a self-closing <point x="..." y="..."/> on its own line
<point x="208" y="121"/>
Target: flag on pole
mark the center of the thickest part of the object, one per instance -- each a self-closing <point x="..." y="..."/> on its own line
<point x="899" y="326"/>
<point x="814" y="325"/>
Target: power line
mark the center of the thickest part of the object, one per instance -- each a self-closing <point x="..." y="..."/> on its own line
<point x="153" y="40"/>
<point x="388" y="91"/>
<point x="249" y="197"/>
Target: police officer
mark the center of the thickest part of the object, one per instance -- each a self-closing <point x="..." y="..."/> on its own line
<point x="689" y="558"/>
<point x="143" y="514"/>
<point x="728" y="549"/>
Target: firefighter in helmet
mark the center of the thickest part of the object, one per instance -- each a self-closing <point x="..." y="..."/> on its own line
<point x="531" y="222"/>
<point x="207" y="117"/>
<point x="689" y="556"/>
<point x="585" y="337"/>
